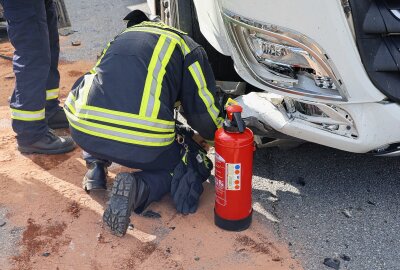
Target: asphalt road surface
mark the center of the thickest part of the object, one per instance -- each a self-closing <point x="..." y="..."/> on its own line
<point x="323" y="203"/>
<point x="327" y="203"/>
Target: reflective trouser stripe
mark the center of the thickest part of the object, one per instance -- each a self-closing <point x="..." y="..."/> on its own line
<point x="182" y="44"/>
<point x="203" y="91"/>
<point x="119" y="118"/>
<point x="52" y="93"/>
<point x="119" y="134"/>
<point x="162" y="53"/>
<point x="27" y="115"/>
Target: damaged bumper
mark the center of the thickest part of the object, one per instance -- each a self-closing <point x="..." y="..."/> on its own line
<point x="355" y="128"/>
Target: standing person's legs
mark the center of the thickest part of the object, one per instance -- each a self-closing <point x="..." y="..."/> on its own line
<point x="55" y="115"/>
<point x="28" y="33"/>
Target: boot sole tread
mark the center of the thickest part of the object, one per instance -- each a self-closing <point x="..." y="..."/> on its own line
<point x="118" y="212"/>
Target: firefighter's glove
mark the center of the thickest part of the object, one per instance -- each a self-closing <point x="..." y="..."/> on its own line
<point x="184" y="130"/>
<point x="188" y="178"/>
<point x="187" y="194"/>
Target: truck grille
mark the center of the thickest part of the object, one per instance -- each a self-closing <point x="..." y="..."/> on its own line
<point x="377" y="28"/>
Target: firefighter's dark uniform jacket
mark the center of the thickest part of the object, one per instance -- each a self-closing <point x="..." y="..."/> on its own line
<point x="123" y="110"/>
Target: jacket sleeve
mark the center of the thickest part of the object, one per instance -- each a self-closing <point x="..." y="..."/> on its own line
<point x="197" y="94"/>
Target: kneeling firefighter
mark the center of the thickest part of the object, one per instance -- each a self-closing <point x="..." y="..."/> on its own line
<point x="123" y="112"/>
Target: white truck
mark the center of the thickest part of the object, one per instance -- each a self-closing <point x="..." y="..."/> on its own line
<point x="324" y="71"/>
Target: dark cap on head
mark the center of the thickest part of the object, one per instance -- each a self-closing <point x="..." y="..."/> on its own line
<point x="135" y="17"/>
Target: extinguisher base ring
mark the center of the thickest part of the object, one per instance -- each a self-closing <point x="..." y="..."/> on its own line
<point x="233" y="225"/>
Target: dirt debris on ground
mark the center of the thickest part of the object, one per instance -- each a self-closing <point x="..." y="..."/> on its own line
<point x="74" y="209"/>
<point x="44" y="197"/>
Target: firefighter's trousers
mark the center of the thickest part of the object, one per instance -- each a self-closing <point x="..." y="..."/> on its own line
<point x="32" y="30"/>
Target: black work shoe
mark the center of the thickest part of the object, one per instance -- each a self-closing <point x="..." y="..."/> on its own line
<point x="127" y="194"/>
<point x="49" y="144"/>
<point x="58" y="120"/>
<point x="96" y="176"/>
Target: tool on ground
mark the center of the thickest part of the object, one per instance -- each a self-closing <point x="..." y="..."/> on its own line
<point x="234" y="147"/>
<point x="6" y="57"/>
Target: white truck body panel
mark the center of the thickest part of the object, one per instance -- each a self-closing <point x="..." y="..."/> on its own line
<point x="377" y="122"/>
<point x="321" y="20"/>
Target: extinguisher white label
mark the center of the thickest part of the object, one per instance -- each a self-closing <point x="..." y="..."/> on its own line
<point x="220" y="176"/>
<point x="233" y="176"/>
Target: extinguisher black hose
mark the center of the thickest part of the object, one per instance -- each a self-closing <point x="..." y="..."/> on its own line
<point x="237" y="118"/>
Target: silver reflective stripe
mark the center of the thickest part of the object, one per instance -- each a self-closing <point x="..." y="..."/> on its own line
<point x="27" y="115"/>
<point x="122" y="136"/>
<point x="154" y="82"/>
<point x="52" y="94"/>
<point x="70" y="100"/>
<point x="181" y="41"/>
<point x="205" y="93"/>
<point x="116" y="117"/>
<point x="129" y="120"/>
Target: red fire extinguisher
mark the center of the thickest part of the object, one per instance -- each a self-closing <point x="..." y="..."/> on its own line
<point x="234" y="147"/>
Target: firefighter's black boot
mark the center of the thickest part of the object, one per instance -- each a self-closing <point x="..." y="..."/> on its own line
<point x="57" y="120"/>
<point x="128" y="193"/>
<point x="49" y="144"/>
<point x="96" y="176"/>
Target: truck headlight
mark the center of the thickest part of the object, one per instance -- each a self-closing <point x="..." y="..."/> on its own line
<point x="284" y="59"/>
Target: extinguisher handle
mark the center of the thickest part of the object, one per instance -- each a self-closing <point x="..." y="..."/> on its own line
<point x="237" y="117"/>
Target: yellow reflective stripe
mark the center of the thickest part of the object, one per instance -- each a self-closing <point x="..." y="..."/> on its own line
<point x="150" y="75"/>
<point x="27" y="115"/>
<point x="160" y="78"/>
<point x="70" y="97"/>
<point x="52" y="93"/>
<point x="120" y="120"/>
<point x="220" y="121"/>
<point x="204" y="93"/>
<point x="184" y="47"/>
<point x="85" y="89"/>
<point x="136" y="116"/>
<point x="71" y="100"/>
<point x="121" y="130"/>
<point x="93" y="70"/>
<point x="207" y="92"/>
<point x="161" y="25"/>
<point x="118" y="134"/>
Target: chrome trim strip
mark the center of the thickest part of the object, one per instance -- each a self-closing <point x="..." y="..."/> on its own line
<point x="390" y="154"/>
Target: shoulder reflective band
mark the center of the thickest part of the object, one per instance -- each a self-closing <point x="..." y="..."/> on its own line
<point x="182" y="44"/>
<point x="160" y="25"/>
<point x="119" y="134"/>
<point x="27" y="115"/>
<point x="93" y="70"/>
<point x="52" y="93"/>
<point x="204" y="93"/>
<point x="119" y="118"/>
<point x="162" y="53"/>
